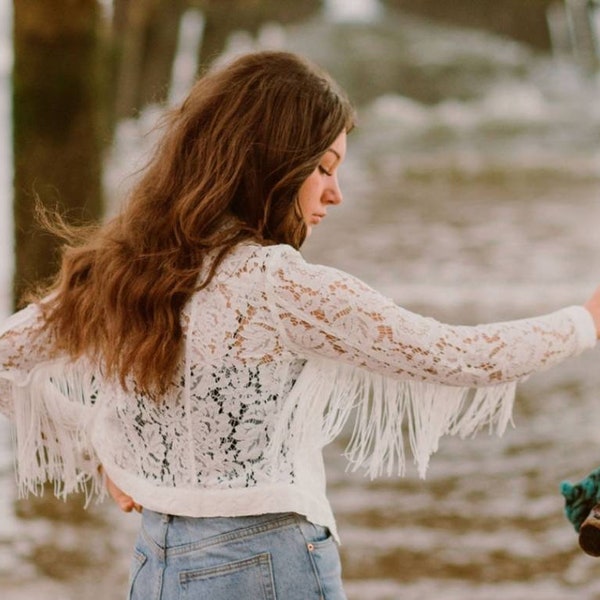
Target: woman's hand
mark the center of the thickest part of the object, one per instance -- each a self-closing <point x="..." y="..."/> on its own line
<point x="593" y="305"/>
<point x="125" y="502"/>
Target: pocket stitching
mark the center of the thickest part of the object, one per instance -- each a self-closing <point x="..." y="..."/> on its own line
<point x="260" y="560"/>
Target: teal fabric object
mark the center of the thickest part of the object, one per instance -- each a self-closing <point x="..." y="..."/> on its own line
<point x="581" y="497"/>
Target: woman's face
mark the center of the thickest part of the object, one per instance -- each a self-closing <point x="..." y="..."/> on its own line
<point x="321" y="189"/>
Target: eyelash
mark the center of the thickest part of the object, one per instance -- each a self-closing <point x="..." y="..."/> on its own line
<point x="324" y="171"/>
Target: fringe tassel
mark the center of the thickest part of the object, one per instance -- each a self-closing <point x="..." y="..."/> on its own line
<point x="327" y="394"/>
<point x="52" y="414"/>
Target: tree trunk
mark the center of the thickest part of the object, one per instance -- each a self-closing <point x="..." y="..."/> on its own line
<point x="130" y="42"/>
<point x="161" y="45"/>
<point x="225" y="16"/>
<point x="146" y="33"/>
<point x="56" y="126"/>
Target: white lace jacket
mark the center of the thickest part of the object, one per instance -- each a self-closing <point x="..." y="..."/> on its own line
<point x="279" y="354"/>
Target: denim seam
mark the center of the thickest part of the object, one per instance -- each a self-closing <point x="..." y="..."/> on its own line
<point x="160" y="554"/>
<point x="238" y="534"/>
<point x="153" y="546"/>
<point x="311" y="558"/>
<point x="140" y="560"/>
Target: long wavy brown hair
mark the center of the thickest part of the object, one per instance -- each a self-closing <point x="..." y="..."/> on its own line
<point x="228" y="168"/>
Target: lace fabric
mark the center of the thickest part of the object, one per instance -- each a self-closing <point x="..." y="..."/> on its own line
<point x="279" y="356"/>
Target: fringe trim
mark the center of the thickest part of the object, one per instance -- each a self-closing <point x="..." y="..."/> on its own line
<point x="327" y="394"/>
<point x="52" y="415"/>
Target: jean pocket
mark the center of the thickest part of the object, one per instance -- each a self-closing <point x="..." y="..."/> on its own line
<point x="138" y="561"/>
<point x="248" y="578"/>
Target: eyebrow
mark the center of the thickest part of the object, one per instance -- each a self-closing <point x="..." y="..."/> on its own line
<point x="335" y="152"/>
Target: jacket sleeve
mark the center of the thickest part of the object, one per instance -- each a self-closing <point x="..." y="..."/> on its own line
<point x="397" y="373"/>
<point x="49" y="400"/>
<point x="324" y="312"/>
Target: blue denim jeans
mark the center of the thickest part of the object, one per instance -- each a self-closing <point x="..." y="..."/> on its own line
<point x="267" y="557"/>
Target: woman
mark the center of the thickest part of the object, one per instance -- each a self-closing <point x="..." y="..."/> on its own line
<point x="188" y="348"/>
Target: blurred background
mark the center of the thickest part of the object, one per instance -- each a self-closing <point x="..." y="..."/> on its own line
<point x="472" y="193"/>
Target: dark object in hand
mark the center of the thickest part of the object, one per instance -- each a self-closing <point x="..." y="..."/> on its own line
<point x="589" y="533"/>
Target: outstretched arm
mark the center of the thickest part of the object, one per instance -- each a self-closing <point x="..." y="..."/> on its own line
<point x="323" y="312"/>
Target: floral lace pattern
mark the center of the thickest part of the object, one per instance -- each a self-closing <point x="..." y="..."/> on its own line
<point x="322" y="312"/>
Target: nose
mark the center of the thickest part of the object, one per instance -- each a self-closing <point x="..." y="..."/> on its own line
<point x="334" y="193"/>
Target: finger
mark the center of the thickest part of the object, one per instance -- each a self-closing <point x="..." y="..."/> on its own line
<point x="126" y="504"/>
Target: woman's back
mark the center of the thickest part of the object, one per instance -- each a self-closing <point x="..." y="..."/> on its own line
<point x="213" y="425"/>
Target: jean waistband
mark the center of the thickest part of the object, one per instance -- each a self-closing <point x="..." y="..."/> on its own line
<point x="168" y="534"/>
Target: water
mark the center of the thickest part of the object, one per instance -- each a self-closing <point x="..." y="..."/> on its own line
<point x="472" y="196"/>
